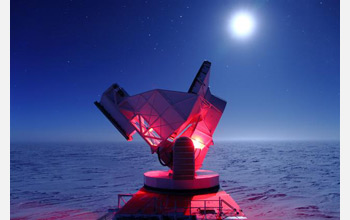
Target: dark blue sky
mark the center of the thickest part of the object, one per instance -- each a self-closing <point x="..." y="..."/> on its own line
<point x="281" y="83"/>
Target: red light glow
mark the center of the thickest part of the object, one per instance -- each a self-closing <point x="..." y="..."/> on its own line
<point x="197" y="142"/>
<point x="162" y="116"/>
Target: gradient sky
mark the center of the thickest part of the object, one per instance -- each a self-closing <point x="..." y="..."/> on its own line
<point x="280" y="83"/>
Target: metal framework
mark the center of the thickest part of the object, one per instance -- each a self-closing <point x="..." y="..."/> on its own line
<point x="161" y="116"/>
<point x="202" y="209"/>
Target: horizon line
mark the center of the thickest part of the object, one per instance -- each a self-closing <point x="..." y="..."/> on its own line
<point x="142" y="141"/>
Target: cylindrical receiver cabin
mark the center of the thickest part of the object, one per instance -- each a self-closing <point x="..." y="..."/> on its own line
<point x="183" y="159"/>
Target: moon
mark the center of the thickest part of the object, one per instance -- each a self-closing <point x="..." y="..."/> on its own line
<point x="242" y="24"/>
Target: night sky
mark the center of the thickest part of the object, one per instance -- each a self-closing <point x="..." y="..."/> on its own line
<point x="281" y="82"/>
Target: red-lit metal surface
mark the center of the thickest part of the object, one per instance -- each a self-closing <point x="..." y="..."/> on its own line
<point x="162" y="116"/>
<point x="203" y="179"/>
<point x="178" y="126"/>
<point x="216" y="205"/>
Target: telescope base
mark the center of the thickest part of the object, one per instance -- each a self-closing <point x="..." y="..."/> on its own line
<point x="163" y="180"/>
<point x="146" y="204"/>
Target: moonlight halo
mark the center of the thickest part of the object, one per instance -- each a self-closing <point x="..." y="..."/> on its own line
<point x="242" y="24"/>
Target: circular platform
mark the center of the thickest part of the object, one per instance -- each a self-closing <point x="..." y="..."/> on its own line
<point x="204" y="179"/>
